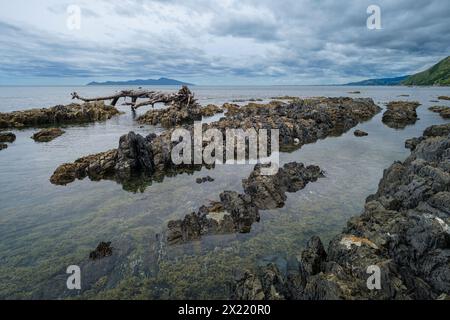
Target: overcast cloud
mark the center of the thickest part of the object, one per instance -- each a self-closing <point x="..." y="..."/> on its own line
<point x="219" y="42"/>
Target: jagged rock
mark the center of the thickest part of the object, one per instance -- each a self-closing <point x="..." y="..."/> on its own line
<point x="301" y="122"/>
<point x="237" y="212"/>
<point x="443" y="111"/>
<point x="204" y="179"/>
<point x="404" y="231"/>
<point x="47" y="135"/>
<point x="69" y="114"/>
<point x="360" y="133"/>
<point x="177" y="112"/>
<point x="7" y="137"/>
<point x="103" y="250"/>
<point x="399" y="114"/>
<point x="95" y="166"/>
<point x="269" y="191"/>
<point x="210" y="110"/>
<point x="3" y="146"/>
<point x="134" y="154"/>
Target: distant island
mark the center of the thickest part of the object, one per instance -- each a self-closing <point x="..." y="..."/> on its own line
<point x="141" y="82"/>
<point x="437" y="75"/>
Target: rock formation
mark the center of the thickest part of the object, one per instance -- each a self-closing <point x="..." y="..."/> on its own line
<point x="103" y="250"/>
<point x="443" y="111"/>
<point x="46" y="135"/>
<point x="360" y="133"/>
<point x="399" y="114"/>
<point x="237" y="212"/>
<point x="304" y="121"/>
<point x="7" y="137"/>
<point x="403" y="232"/>
<point x="69" y="114"/>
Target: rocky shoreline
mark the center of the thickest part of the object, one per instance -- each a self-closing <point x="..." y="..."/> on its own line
<point x="301" y="122"/>
<point x="403" y="232"/>
<point x="57" y="115"/>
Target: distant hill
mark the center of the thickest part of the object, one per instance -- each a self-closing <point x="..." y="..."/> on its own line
<point x="379" y="82"/>
<point x="437" y="75"/>
<point x="140" y="82"/>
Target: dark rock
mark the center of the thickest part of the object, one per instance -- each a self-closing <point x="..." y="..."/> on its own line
<point x="399" y="114"/>
<point x="404" y="231"/>
<point x="237" y="212"/>
<point x="7" y="137"/>
<point x="360" y="133"/>
<point x="103" y="250"/>
<point x="47" y="135"/>
<point x="3" y="146"/>
<point x="444" y="98"/>
<point x="443" y="111"/>
<point x="70" y="114"/>
<point x="176" y="113"/>
<point x="204" y="179"/>
<point x="299" y="123"/>
<point x="210" y="110"/>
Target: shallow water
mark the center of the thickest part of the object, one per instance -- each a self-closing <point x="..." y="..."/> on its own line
<point x="45" y="228"/>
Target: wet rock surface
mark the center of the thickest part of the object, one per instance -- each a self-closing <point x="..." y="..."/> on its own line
<point x="360" y="133"/>
<point x="210" y="110"/>
<point x="7" y="137"/>
<point x="237" y="212"/>
<point x="176" y="113"/>
<point x="443" y="111"/>
<point x="103" y="250"/>
<point x="3" y="146"/>
<point x="399" y="114"/>
<point x="204" y="179"/>
<point x="301" y="122"/>
<point x="444" y="98"/>
<point x="47" y="135"/>
<point x="404" y="231"/>
<point x="69" y="114"/>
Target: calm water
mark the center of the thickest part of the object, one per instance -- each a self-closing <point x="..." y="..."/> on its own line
<point x="45" y="228"/>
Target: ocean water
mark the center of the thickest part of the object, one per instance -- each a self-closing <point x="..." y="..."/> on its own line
<point x="45" y="228"/>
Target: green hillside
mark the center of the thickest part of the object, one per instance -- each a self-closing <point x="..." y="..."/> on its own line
<point x="439" y="75"/>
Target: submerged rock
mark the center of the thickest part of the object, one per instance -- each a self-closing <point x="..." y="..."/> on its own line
<point x="103" y="250"/>
<point x="237" y="212"/>
<point x="443" y="111"/>
<point x="3" y="146"/>
<point x="7" y="137"/>
<point x="47" y="135"/>
<point x="69" y="114"/>
<point x="444" y="98"/>
<point x="399" y="114"/>
<point x="403" y="232"/>
<point x="360" y="133"/>
<point x="204" y="179"/>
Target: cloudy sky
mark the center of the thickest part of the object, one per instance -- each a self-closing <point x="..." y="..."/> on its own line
<point x="219" y="41"/>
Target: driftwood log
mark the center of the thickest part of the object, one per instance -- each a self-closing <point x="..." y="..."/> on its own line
<point x="183" y="97"/>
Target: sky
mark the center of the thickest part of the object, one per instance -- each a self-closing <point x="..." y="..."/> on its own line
<point x="212" y="42"/>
